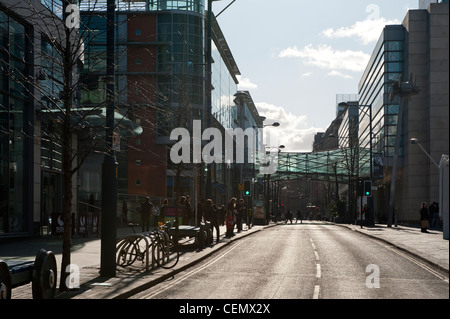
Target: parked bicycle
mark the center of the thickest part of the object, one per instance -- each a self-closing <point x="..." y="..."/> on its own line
<point x="152" y="248"/>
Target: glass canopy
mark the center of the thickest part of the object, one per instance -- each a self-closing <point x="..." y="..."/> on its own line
<point x="340" y="164"/>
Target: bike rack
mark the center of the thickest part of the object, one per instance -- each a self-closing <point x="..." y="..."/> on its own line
<point x="131" y="245"/>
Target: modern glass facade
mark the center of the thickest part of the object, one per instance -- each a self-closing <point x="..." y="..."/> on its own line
<point x="180" y="65"/>
<point x="14" y="114"/>
<point x="384" y="68"/>
<point x="197" y="6"/>
<point x="224" y="83"/>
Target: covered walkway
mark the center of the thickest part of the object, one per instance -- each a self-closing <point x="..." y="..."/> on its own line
<point x="339" y="164"/>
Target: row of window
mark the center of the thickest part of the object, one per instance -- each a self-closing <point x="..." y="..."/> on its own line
<point x="13" y="116"/>
<point x="197" y="6"/>
<point x="386" y="68"/>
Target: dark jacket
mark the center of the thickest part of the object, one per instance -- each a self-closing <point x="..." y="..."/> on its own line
<point x="211" y="214"/>
<point x="424" y="213"/>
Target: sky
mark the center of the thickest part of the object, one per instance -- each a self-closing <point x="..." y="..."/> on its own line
<point x="295" y="56"/>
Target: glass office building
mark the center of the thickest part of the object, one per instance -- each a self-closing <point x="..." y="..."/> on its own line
<point x="15" y="113"/>
<point x="416" y="52"/>
<point x="384" y="68"/>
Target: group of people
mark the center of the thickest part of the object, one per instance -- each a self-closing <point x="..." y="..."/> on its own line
<point x="232" y="215"/>
<point x="289" y="216"/>
<point x="429" y="216"/>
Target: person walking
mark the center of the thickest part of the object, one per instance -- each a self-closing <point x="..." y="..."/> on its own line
<point x="288" y="216"/>
<point x="434" y="215"/>
<point x="146" y="209"/>
<point x="212" y="216"/>
<point x="222" y="215"/>
<point x="299" y="216"/>
<point x="229" y="220"/>
<point x="200" y="212"/>
<point x="124" y="213"/>
<point x="241" y="210"/>
<point x="424" y="222"/>
<point x="182" y="205"/>
<point x="163" y="211"/>
<point x="188" y="211"/>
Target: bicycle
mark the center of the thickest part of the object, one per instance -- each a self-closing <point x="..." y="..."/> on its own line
<point x="136" y="248"/>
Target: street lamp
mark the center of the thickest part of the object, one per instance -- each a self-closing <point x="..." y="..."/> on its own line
<point x="109" y="166"/>
<point x="416" y="141"/>
<point x="275" y="124"/>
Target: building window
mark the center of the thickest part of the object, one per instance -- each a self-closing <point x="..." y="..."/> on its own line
<point x="138" y="162"/>
<point x="14" y="131"/>
<point x="138" y="31"/>
<point x="138" y="182"/>
<point x="138" y="61"/>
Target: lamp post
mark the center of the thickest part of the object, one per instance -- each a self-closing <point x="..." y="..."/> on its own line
<point x="443" y="186"/>
<point x="109" y="167"/>
<point x="416" y="141"/>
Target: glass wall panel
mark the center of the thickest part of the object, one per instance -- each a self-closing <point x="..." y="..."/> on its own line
<point x="13" y="140"/>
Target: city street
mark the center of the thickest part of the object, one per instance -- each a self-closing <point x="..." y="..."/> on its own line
<point x="306" y="261"/>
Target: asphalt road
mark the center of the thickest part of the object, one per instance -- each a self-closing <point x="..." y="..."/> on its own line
<point x="306" y="261"/>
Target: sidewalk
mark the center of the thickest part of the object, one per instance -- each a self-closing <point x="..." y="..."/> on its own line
<point x="85" y="254"/>
<point x="429" y="247"/>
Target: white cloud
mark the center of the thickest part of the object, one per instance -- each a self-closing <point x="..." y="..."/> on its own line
<point x="340" y="74"/>
<point x="246" y="83"/>
<point x="366" y="31"/>
<point x="292" y="132"/>
<point x="326" y="57"/>
<point x="307" y="74"/>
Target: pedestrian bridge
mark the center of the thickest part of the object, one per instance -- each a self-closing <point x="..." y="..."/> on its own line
<point x="339" y="164"/>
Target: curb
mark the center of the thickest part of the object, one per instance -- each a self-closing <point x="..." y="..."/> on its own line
<point x="403" y="249"/>
<point x="162" y="278"/>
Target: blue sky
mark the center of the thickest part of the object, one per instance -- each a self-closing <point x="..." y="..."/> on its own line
<point x="295" y="56"/>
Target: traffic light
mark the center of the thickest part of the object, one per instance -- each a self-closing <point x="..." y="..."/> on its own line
<point x="368" y="188"/>
<point x="247" y="190"/>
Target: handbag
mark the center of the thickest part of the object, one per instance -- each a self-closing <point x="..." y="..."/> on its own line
<point x="425" y="223"/>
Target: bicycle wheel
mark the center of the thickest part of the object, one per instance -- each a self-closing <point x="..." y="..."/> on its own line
<point x="166" y="254"/>
<point x="126" y="253"/>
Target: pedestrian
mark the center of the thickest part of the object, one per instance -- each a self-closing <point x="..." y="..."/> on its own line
<point x="146" y="209"/>
<point x="299" y="216"/>
<point x="200" y="212"/>
<point x="222" y="215"/>
<point x="182" y="205"/>
<point x="212" y="216"/>
<point x="288" y="216"/>
<point x="163" y="211"/>
<point x="434" y="215"/>
<point x="230" y="214"/>
<point x="241" y="211"/>
<point x="188" y="211"/>
<point x="424" y="222"/>
<point x="249" y="218"/>
<point x="124" y="213"/>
